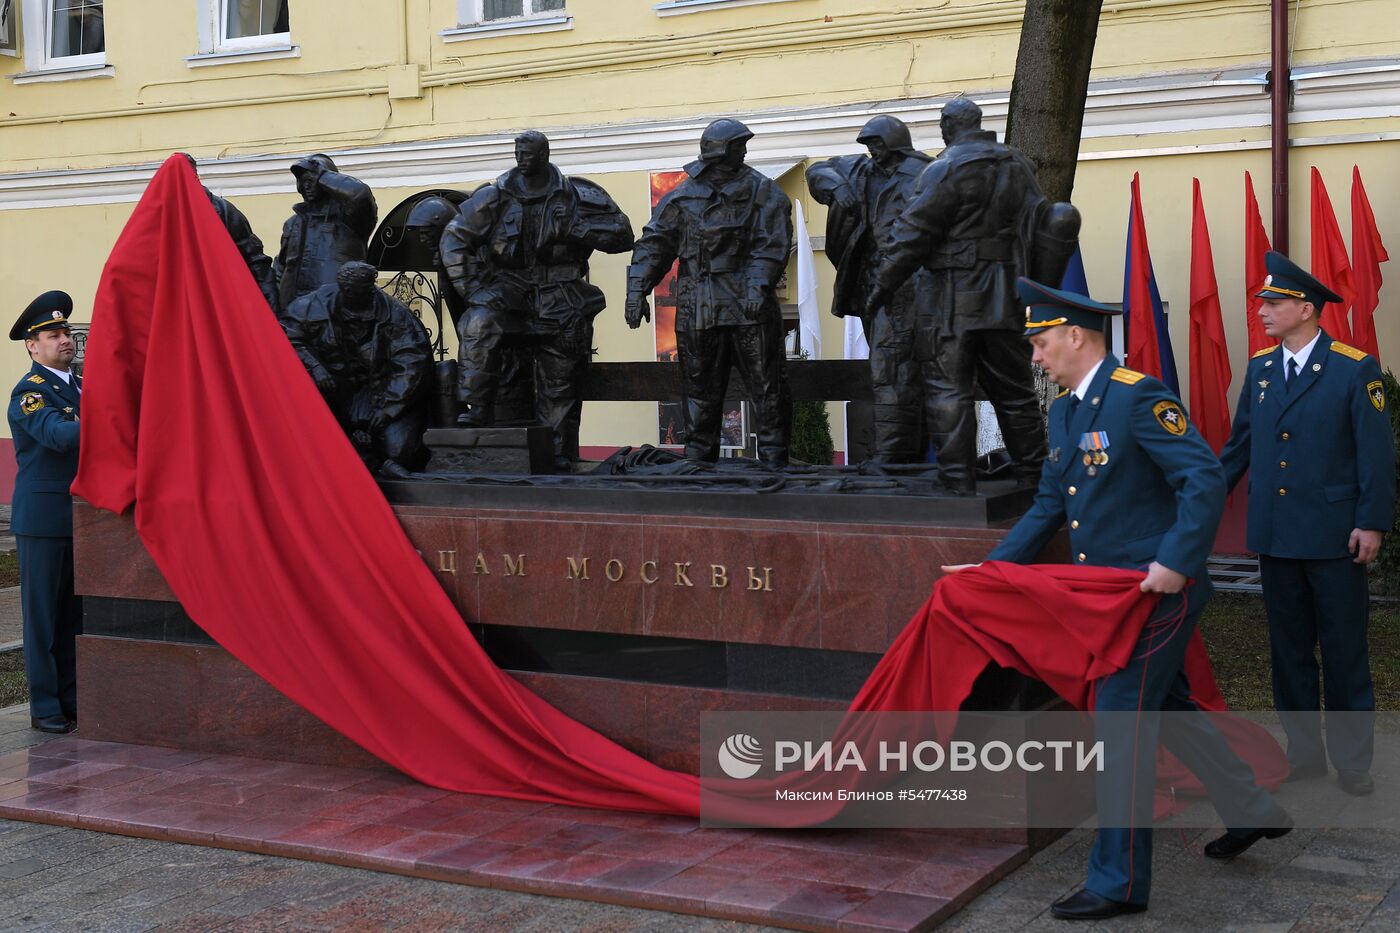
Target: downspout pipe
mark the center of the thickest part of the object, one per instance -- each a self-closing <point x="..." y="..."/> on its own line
<point x="1280" y="83"/>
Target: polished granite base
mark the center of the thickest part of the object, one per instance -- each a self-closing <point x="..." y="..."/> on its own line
<point x="806" y="880"/>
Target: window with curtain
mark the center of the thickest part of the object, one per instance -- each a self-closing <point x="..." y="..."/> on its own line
<point x="244" y="19"/>
<point x="75" y="28"/>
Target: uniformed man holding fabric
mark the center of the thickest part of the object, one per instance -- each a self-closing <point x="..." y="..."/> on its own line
<point x="44" y="425"/>
<point x="1313" y="431"/>
<point x="1140" y="489"/>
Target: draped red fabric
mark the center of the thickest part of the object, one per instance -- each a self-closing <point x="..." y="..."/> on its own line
<point x="277" y="542"/>
<point x="1065" y="625"/>
<point x="1330" y="263"/>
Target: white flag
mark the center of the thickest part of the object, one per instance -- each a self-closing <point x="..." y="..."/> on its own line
<point x="808" y="313"/>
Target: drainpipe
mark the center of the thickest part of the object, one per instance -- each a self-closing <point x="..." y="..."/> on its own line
<point x="1280" y="82"/>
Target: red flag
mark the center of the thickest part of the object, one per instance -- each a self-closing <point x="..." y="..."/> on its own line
<point x="1210" y="360"/>
<point x="1330" y="265"/>
<point x="1368" y="252"/>
<point x="1256" y="244"/>
<point x="1149" y="346"/>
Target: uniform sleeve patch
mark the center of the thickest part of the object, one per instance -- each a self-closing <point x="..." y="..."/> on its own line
<point x="1375" y="390"/>
<point x="1170" y="416"/>
<point x="1127" y="376"/>
<point x="1344" y="350"/>
<point x="30" y="402"/>
<point x="37" y="379"/>
<point x="1264" y="352"/>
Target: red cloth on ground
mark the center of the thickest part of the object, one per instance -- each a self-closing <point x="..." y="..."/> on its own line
<point x="277" y="542"/>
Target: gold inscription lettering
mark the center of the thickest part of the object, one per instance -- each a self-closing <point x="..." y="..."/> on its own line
<point x="577" y="570"/>
<point x="516" y="567"/>
<point x="764" y="583"/>
<point x="719" y="576"/>
<point x="480" y="565"/>
<point x="447" y="561"/>
<point x="653" y="577"/>
<point x="683" y="574"/>
<point x="613" y="570"/>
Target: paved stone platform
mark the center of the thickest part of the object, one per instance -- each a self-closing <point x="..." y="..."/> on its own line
<point x="813" y="880"/>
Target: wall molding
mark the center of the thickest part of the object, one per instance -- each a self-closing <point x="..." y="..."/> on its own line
<point x="1150" y="110"/>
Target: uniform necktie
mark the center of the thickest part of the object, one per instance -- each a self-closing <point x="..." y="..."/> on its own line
<point x="1291" y="373"/>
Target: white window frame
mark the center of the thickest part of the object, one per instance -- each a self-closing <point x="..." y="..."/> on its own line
<point x="682" y="7"/>
<point x="215" y="48"/>
<point x="471" y="25"/>
<point x="36" y="25"/>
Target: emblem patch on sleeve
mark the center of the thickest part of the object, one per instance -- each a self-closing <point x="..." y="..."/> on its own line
<point x="30" y="402"/>
<point x="1170" y="416"/>
<point x="1376" y="391"/>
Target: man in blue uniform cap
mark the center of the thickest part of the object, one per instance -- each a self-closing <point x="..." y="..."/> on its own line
<point x="1312" y="428"/>
<point x="1139" y="489"/>
<point x="44" y="425"/>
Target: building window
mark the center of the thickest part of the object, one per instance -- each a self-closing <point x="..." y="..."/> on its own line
<point x="482" y="18"/>
<point x="62" y="36"/>
<point x="246" y="19"/>
<point x="75" y="29"/>
<point x="490" y="11"/>
<point x="242" y="31"/>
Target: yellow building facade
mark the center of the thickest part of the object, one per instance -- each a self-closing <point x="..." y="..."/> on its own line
<point x="430" y="93"/>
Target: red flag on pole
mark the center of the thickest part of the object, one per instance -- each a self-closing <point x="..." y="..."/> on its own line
<point x="1256" y="245"/>
<point x="1368" y="252"/>
<point x="1330" y="264"/>
<point x="1210" y="360"/>
<point x="1149" y="346"/>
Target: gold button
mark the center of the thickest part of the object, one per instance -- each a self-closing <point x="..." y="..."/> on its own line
<point x="1074" y="524"/>
<point x="1082" y="558"/>
<point x="1072" y="490"/>
<point x="1283" y="492"/>
<point x="1285" y="435"/>
<point x="1283" y="464"/>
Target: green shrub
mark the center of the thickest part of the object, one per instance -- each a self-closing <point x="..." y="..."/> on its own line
<point x="1385" y="572"/>
<point x="811" y="434"/>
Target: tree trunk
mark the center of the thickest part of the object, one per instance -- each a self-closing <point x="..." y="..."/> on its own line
<point x="1052" y="80"/>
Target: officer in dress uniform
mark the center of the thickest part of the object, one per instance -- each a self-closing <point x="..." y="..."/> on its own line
<point x="1139" y="489"/>
<point x="1312" y="429"/>
<point x="44" y="425"/>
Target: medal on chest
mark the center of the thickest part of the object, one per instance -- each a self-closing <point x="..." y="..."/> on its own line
<point x="1095" y="447"/>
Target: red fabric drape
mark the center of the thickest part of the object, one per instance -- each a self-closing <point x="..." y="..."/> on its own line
<point x="1256" y="246"/>
<point x="1330" y="264"/>
<point x="1210" y="359"/>
<point x="1367" y="254"/>
<point x="278" y="544"/>
<point x="277" y="541"/>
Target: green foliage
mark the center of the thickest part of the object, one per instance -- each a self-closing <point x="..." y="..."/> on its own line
<point x="811" y="434"/>
<point x="1385" y="572"/>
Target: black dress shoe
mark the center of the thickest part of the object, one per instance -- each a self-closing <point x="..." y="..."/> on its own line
<point x="56" y="725"/>
<point x="1086" y="905"/>
<point x="1356" y="783"/>
<point x="1229" y="846"/>
<point x="1306" y="773"/>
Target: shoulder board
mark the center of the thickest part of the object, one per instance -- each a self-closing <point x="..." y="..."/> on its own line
<point x="1127" y="376"/>
<point x="37" y="379"/>
<point x="1264" y="352"/>
<point x="1062" y="393"/>
<point x="1344" y="350"/>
